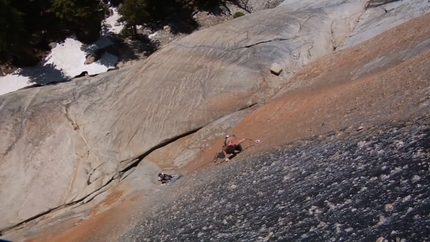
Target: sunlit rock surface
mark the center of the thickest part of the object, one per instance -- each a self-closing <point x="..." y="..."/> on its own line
<point x="63" y="144"/>
<point x="348" y="186"/>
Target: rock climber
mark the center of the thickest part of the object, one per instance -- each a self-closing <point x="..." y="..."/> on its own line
<point x="232" y="145"/>
<point x="164" y="178"/>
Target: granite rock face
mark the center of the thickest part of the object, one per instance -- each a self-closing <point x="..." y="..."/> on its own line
<point x="355" y="185"/>
<point x="62" y="143"/>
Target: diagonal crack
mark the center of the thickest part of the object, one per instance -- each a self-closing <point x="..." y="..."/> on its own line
<point x="40" y="215"/>
<point x="138" y="159"/>
<point x="248" y="106"/>
<point x="260" y="42"/>
<point x="85" y="199"/>
<point x="78" y="129"/>
<point x="18" y="137"/>
<point x="91" y="196"/>
<point x="224" y="49"/>
<point x="377" y="3"/>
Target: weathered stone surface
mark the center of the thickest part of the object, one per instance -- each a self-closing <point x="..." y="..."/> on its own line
<point x="52" y="45"/>
<point x="352" y="88"/>
<point x="95" y="56"/>
<point x="348" y="88"/>
<point x="383" y="15"/>
<point x="276" y="69"/>
<point x="61" y="143"/>
<point x="179" y="153"/>
<point x="91" y="58"/>
<point x="326" y="189"/>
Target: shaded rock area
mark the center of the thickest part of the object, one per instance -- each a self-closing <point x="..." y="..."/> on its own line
<point x="353" y="185"/>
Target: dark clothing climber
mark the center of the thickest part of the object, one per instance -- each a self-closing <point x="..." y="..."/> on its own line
<point x="232" y="146"/>
<point x="164" y="178"/>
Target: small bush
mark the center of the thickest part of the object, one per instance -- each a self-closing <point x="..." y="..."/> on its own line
<point x="238" y="14"/>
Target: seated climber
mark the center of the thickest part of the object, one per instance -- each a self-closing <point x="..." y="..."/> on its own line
<point x="232" y="145"/>
<point x="164" y="178"/>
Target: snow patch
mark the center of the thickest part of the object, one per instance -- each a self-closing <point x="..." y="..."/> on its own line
<point x="66" y="61"/>
<point x="111" y="22"/>
<point x="153" y="35"/>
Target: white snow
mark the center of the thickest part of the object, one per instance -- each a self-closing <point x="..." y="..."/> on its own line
<point x="153" y="35"/>
<point x="65" y="61"/>
<point x="12" y="83"/>
<point x="70" y="57"/>
<point x="111" y="22"/>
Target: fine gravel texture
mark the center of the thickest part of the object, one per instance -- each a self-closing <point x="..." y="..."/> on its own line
<point x="359" y="184"/>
